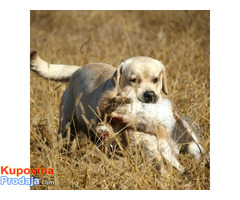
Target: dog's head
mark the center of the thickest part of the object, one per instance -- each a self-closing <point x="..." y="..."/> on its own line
<point x="143" y="76"/>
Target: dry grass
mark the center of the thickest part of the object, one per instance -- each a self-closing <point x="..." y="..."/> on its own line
<point x="179" y="38"/>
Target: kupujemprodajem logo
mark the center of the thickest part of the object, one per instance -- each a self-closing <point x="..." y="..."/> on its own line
<point x="5" y="180"/>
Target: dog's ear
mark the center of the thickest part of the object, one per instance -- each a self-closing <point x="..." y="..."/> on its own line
<point x="164" y="77"/>
<point x="164" y="81"/>
<point x="117" y="74"/>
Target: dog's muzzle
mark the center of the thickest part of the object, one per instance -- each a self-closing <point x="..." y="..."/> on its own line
<point x="150" y="97"/>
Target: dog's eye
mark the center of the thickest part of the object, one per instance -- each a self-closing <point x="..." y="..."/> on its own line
<point x="133" y="80"/>
<point x="155" y="80"/>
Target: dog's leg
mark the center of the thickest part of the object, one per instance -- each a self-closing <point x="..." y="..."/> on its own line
<point x="67" y="114"/>
<point x="64" y="121"/>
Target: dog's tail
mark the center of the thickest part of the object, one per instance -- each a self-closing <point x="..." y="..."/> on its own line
<point x="56" y="72"/>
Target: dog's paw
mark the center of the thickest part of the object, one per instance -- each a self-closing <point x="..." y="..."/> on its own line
<point x="103" y="132"/>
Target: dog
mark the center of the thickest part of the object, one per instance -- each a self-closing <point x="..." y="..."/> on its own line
<point x="92" y="86"/>
<point x="165" y="127"/>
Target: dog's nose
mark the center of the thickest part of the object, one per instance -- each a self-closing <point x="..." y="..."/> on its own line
<point x="150" y="97"/>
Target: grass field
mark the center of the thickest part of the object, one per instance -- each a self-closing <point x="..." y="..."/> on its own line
<point x="180" y="39"/>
